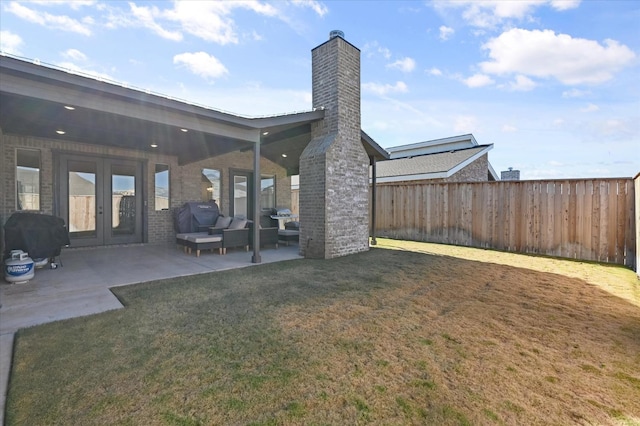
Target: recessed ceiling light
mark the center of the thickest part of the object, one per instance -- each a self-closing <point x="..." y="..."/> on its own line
<point x="184" y="130"/>
<point x="265" y="133"/>
<point x="154" y="145"/>
<point x="60" y="132"/>
<point x="69" y="107"/>
<point x="284" y="155"/>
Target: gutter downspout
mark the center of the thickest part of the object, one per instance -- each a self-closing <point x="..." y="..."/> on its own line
<point x="256" y="258"/>
<point x="373" y="201"/>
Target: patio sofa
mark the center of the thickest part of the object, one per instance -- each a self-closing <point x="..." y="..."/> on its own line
<point x="200" y="226"/>
<point x="226" y="233"/>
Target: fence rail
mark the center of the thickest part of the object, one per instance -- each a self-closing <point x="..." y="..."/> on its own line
<point x="591" y="219"/>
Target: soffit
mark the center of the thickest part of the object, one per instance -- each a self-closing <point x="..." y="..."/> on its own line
<point x="33" y="100"/>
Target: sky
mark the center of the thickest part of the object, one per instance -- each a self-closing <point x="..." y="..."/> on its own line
<point x="554" y="85"/>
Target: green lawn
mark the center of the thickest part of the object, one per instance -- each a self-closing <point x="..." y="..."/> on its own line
<point x="407" y="333"/>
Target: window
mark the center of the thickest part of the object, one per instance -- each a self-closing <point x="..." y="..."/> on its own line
<point x="210" y="186"/>
<point x="27" y="179"/>
<point x="162" y="187"/>
<point x="268" y="192"/>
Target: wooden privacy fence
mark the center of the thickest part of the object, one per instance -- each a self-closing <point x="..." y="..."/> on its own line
<point x="591" y="219"/>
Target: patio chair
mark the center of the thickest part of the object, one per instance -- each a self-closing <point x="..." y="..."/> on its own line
<point x="290" y="233"/>
<point x="236" y="235"/>
<point x="268" y="236"/>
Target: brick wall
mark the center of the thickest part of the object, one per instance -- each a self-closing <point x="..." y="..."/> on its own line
<point x="334" y="167"/>
<point x="478" y="171"/>
<point x="184" y="182"/>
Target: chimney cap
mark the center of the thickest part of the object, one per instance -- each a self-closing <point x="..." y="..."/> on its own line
<point x="336" y="33"/>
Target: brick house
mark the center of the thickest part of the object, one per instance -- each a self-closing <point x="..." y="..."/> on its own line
<point x="83" y="149"/>
<point x="453" y="159"/>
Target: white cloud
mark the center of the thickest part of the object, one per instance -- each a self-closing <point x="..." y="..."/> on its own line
<point x="575" y="93"/>
<point x="319" y="8"/>
<point x="446" y="32"/>
<point x="478" y="80"/>
<point x="145" y="16"/>
<point x="57" y="22"/>
<point x="522" y="84"/>
<point x="435" y="71"/>
<point x="208" y="20"/>
<point x="202" y="64"/>
<point x="374" y="48"/>
<point x="74" y="55"/>
<point x="10" y="42"/>
<point x="565" y="4"/>
<point x="546" y="54"/>
<point x="507" y="128"/>
<point x="590" y="108"/>
<point x="255" y="36"/>
<point x="490" y="13"/>
<point x="404" y="64"/>
<point x="73" y="4"/>
<point x="465" y="124"/>
<point x="385" y="89"/>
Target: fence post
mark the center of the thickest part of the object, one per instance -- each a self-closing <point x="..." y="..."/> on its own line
<point x="636" y="218"/>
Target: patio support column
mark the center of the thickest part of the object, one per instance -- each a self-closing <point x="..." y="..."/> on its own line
<point x="373" y="200"/>
<point x="256" y="258"/>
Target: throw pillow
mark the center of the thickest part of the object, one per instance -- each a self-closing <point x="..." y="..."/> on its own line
<point x="238" y="223"/>
<point x="223" y="222"/>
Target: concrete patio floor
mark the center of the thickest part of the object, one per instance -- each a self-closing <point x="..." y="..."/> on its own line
<point x="81" y="285"/>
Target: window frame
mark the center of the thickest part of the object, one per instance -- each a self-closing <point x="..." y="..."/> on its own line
<point x="155" y="188"/>
<point x="28" y="151"/>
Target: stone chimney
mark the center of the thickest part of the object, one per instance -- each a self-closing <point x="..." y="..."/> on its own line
<point x="334" y="167"/>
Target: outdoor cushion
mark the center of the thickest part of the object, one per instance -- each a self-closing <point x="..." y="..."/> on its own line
<point x="238" y="223"/>
<point x="203" y="237"/>
<point x="223" y="222"/>
<point x="183" y="236"/>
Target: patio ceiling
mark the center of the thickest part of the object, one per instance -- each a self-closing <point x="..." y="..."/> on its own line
<point x="40" y="101"/>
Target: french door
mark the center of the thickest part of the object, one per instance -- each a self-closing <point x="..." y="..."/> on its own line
<point x="241" y="196"/>
<point x="101" y="200"/>
<point x="241" y="191"/>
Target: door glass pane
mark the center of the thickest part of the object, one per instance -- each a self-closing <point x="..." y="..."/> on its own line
<point x="268" y="193"/>
<point x="240" y="207"/>
<point x="28" y="179"/>
<point x="123" y="200"/>
<point x="82" y="198"/>
<point x="210" y="185"/>
<point x="162" y="187"/>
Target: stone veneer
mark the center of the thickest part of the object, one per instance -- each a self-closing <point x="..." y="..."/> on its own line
<point x="334" y="167"/>
<point x="184" y="183"/>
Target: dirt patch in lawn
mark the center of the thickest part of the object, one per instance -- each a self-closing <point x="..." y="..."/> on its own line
<point x="386" y="337"/>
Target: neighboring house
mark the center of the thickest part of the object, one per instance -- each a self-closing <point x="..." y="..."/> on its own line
<point x="453" y="159"/>
<point x="158" y="153"/>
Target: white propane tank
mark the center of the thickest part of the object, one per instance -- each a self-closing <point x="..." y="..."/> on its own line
<point x="18" y="271"/>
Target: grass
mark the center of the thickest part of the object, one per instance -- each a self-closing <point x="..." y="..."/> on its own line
<point x="408" y="333"/>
